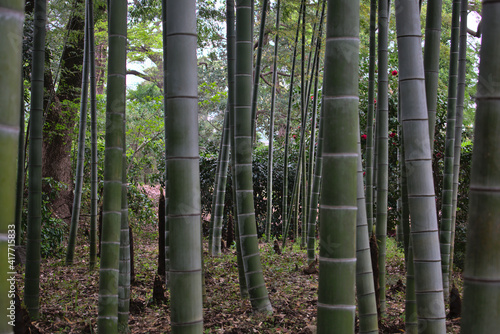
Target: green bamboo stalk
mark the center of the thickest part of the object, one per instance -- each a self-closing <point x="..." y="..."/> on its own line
<point x="315" y="78"/>
<point x="231" y="63"/>
<point x="316" y="185"/>
<point x="311" y="215"/>
<point x="338" y="203"/>
<point x="314" y="193"/>
<point x="382" y="143"/>
<point x="107" y="321"/>
<point x="271" y="130"/>
<point x="482" y="268"/>
<point x="184" y="207"/>
<point x="431" y="61"/>
<point x="214" y="193"/>
<point x="293" y="205"/>
<point x="93" y="141"/>
<point x="32" y="277"/>
<point x="20" y="172"/>
<point x="303" y="108"/>
<point x="11" y="36"/>
<point x="82" y="131"/>
<point x="427" y="260"/>
<point x="125" y="261"/>
<point x="220" y="190"/>
<point x="258" y="59"/>
<point x="462" y="64"/>
<point x="447" y="194"/>
<point x="305" y="203"/>
<point x="365" y="287"/>
<point x="167" y="227"/>
<point x="284" y="214"/>
<point x="243" y="160"/>
<point x="370" y="115"/>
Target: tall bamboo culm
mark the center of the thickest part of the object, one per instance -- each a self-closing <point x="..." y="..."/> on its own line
<point x="338" y="203"/>
<point x="107" y="321"/>
<point x="75" y="212"/>
<point x="482" y="268"/>
<point x="315" y="185"/>
<point x="93" y="140"/>
<point x="243" y="160"/>
<point x="32" y="277"/>
<point x="431" y="61"/>
<point x="271" y="130"/>
<point x="184" y="203"/>
<point x="11" y="36"/>
<point x="166" y="235"/>
<point x="365" y="287"/>
<point x="285" y="217"/>
<point x="258" y="59"/>
<point x="370" y="117"/>
<point x="462" y="64"/>
<point x="382" y="148"/>
<point x="231" y="71"/>
<point x="424" y="231"/>
<point x="220" y="189"/>
<point x="447" y="194"/>
<point x="125" y="261"/>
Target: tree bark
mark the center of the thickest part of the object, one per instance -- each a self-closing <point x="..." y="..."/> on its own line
<point x="61" y="114"/>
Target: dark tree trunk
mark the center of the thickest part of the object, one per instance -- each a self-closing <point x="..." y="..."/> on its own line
<point x="62" y="112"/>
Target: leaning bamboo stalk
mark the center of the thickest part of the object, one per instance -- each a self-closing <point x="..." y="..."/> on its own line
<point x="231" y="70"/>
<point x="256" y="78"/>
<point x="82" y="131"/>
<point x="220" y="189"/>
<point x="424" y="231"/>
<point x="243" y="160"/>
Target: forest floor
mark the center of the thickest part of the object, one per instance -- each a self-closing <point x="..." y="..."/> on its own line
<point x="69" y="295"/>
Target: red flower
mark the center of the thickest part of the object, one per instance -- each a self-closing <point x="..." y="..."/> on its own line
<point x="363" y="136"/>
<point x="312" y="97"/>
<point x="394" y="72"/>
<point x="392" y="134"/>
<point x="294" y="136"/>
<point x="364" y="173"/>
<point x="374" y="101"/>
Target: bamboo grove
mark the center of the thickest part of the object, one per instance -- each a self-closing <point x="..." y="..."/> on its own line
<point x="358" y="76"/>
